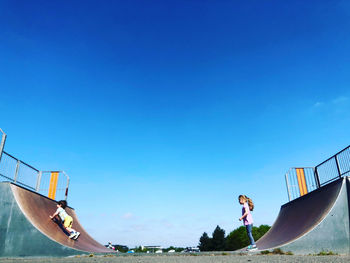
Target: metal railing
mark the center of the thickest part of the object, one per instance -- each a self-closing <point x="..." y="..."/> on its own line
<point x="61" y="189"/>
<point x="326" y="172"/>
<point x="17" y="171"/>
<point x="334" y="167"/>
<point x="53" y="184"/>
<point x="292" y="183"/>
<point x="2" y="142"/>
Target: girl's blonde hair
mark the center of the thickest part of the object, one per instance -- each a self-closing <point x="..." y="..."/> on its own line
<point x="247" y="199"/>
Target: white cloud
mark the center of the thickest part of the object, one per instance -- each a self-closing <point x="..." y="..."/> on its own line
<point x="318" y="104"/>
<point x="340" y="100"/>
<point x="128" y="216"/>
<point x="334" y="103"/>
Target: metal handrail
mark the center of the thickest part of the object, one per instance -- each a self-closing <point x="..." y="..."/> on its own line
<point x="21" y="161"/>
<point x="333" y="156"/>
<point x="2" y="142"/>
<point x="338" y="170"/>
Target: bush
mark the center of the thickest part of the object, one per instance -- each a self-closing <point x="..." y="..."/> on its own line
<point x="276" y="251"/>
<point x="326" y="253"/>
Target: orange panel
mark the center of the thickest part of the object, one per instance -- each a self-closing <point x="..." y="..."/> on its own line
<point x="53" y="185"/>
<point x="301" y="181"/>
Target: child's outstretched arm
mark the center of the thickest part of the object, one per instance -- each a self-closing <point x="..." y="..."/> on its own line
<point x="54" y="215"/>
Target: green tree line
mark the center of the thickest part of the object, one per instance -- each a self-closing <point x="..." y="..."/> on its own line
<point x="235" y="240"/>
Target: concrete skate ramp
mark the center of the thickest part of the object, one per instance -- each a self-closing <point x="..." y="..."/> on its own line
<point x="27" y="230"/>
<point x="314" y="222"/>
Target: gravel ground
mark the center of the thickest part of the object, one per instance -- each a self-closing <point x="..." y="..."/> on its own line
<point x="210" y="258"/>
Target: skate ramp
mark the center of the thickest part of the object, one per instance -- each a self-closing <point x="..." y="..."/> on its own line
<point x="27" y="230"/>
<point x="318" y="221"/>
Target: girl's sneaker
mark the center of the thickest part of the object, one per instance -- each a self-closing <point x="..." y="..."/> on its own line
<point x="72" y="234"/>
<point x="251" y="247"/>
<point x="77" y="235"/>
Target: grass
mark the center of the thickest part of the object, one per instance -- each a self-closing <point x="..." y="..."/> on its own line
<point x="276" y="251"/>
<point x="326" y="253"/>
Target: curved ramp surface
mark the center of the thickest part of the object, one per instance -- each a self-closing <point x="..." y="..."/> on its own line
<point x="27" y="230"/>
<point x="318" y="221"/>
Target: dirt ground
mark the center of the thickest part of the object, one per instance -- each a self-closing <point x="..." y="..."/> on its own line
<point x="180" y="258"/>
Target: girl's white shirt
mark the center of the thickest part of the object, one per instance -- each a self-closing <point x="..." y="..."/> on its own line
<point x="62" y="213"/>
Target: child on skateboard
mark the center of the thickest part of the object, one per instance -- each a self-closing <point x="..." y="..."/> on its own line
<point x="247" y="218"/>
<point x="66" y="219"/>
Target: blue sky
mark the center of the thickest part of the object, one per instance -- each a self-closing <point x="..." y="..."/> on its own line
<point x="163" y="112"/>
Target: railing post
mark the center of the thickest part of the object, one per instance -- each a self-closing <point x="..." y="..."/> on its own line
<point x="17" y="170"/>
<point x="38" y="181"/>
<point x="2" y="143"/>
<point x="288" y="190"/>
<point x="67" y="187"/>
<point x="317" y="178"/>
<point x="336" y="161"/>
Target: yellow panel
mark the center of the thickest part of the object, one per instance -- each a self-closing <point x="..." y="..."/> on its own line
<point x="301" y="181"/>
<point x="53" y="185"/>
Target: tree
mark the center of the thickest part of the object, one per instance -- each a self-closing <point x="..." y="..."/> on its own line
<point x="121" y="248"/>
<point x="179" y="249"/>
<point x="205" y="242"/>
<point x="218" y="241"/>
<point x="260" y="231"/>
<point x="139" y="249"/>
<point x="238" y="238"/>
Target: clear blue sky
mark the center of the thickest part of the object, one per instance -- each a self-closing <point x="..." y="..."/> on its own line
<point x="163" y="112"/>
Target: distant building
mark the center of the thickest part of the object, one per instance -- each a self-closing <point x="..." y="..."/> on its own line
<point x="153" y="248"/>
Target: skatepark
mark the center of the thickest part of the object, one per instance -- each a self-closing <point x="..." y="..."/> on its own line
<point x="315" y="219"/>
